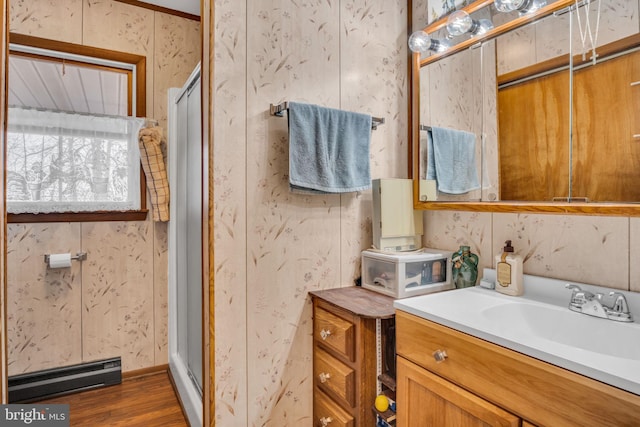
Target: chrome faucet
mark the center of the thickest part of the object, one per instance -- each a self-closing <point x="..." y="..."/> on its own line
<point x="613" y="307"/>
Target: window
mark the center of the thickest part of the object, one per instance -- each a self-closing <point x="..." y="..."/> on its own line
<point x="64" y="162"/>
<point x="72" y="149"/>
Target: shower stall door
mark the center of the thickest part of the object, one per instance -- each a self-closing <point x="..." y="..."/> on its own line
<point x="185" y="244"/>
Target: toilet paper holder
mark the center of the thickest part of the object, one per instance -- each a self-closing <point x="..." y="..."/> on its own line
<point x="80" y="256"/>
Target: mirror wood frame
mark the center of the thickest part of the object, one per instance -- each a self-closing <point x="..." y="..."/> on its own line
<point x="207" y="42"/>
<point x="609" y="209"/>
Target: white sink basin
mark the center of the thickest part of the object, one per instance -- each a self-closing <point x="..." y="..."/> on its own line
<point x="540" y="325"/>
<point x="565" y="327"/>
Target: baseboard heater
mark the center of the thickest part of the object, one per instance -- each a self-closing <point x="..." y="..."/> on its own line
<point x="59" y="381"/>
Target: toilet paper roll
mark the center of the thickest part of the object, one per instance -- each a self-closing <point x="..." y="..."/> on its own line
<point x="59" y="260"/>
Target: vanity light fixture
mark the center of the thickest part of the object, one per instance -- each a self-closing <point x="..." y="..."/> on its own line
<point x="421" y="42"/>
<point x="460" y="22"/>
<point x="522" y="6"/>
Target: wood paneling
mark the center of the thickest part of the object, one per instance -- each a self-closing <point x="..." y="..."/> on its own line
<point x="138" y="402"/>
<point x="44" y="307"/>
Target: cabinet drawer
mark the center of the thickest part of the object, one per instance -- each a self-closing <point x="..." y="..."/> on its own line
<point x="327" y="413"/>
<point x="335" y="332"/>
<point x="539" y="392"/>
<point x="334" y="376"/>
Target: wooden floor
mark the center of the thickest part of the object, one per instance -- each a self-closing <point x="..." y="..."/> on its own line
<point x="147" y="401"/>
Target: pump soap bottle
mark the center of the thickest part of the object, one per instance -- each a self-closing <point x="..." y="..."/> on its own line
<point x="509" y="275"/>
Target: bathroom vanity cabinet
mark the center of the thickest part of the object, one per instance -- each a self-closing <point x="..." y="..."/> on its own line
<point x="345" y="354"/>
<point x="480" y="382"/>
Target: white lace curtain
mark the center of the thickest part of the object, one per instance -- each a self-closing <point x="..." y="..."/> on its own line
<point x="66" y="162"/>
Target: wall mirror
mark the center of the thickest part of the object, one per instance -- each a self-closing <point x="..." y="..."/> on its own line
<point x="539" y="107"/>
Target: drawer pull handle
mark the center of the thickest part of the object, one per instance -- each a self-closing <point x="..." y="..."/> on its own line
<point x="440" y="355"/>
<point x="325" y="421"/>
<point x="324" y="334"/>
<point x="324" y="377"/>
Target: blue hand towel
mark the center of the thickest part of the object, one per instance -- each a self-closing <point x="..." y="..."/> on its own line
<point x="328" y="149"/>
<point x="451" y="160"/>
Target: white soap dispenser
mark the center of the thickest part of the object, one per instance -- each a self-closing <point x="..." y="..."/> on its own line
<point x="509" y="274"/>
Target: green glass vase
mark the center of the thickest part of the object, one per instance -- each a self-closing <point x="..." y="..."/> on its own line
<point x="465" y="268"/>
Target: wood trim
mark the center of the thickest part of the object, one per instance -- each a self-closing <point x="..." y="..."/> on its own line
<point x="610" y="209"/>
<point x="28" y="218"/>
<point x="4" y="49"/>
<point x="442" y="21"/>
<point x="554" y="396"/>
<point x="151" y="370"/>
<point x="412" y="85"/>
<point x="140" y="63"/>
<point x="207" y="32"/>
<point x="501" y="29"/>
<point x="357" y="300"/>
<point x="156" y="8"/>
<point x="604" y="51"/>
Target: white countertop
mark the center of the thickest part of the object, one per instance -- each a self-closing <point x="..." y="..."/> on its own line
<point x="540" y="325"/>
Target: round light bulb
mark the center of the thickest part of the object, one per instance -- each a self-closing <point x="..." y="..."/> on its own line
<point x="481" y="26"/>
<point x="532" y="6"/>
<point x="509" y="5"/>
<point x="440" y="45"/>
<point x="419" y="42"/>
<point x="522" y="6"/>
<point x="458" y="23"/>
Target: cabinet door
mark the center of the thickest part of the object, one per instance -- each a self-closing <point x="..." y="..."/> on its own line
<point x="426" y="400"/>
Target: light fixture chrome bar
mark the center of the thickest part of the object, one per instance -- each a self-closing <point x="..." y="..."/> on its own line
<point x="569" y="8"/>
<point x="279" y="109"/>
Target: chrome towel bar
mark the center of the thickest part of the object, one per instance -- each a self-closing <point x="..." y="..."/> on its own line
<point x="279" y="109"/>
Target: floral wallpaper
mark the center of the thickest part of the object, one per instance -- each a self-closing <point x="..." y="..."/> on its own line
<point x="587" y="249"/>
<point x="549" y="38"/>
<point x="115" y="302"/>
<point x="271" y="246"/>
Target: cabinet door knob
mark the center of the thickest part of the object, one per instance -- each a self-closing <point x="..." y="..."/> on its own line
<point x="324" y="334"/>
<point x="325" y="421"/>
<point x="324" y="377"/>
<point x="440" y="355"/>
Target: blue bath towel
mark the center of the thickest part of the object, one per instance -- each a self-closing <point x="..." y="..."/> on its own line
<point x="328" y="149"/>
<point x="451" y="160"/>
